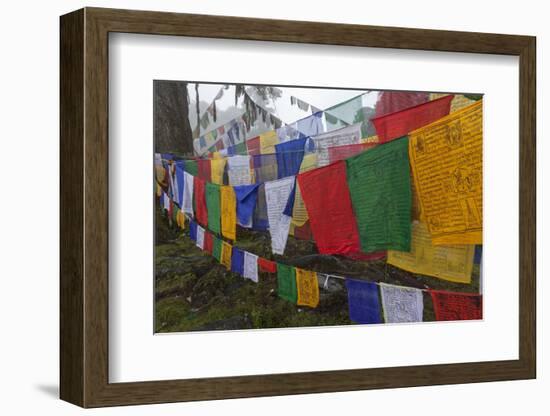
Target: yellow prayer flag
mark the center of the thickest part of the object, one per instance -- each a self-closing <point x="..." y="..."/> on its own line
<point x="308" y="162"/>
<point x="217" y="155"/>
<point x="299" y="212"/>
<point x="225" y="258"/>
<point x="268" y="140"/>
<point x="180" y="219"/>
<point x="452" y="262"/>
<point x="217" y="167"/>
<point x="446" y="160"/>
<point x="159" y="190"/>
<point x="308" y="288"/>
<point x="370" y="139"/>
<point x="457" y="103"/>
<point x="228" y="212"/>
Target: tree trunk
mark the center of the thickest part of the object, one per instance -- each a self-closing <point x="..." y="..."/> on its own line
<point x="171" y="123"/>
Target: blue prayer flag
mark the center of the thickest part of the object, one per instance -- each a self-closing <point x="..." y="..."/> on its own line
<point x="364" y="305"/>
<point x="289" y="157"/>
<point x="246" y="196"/>
<point x="193" y="230"/>
<point x="237" y="261"/>
<point x="289" y="207"/>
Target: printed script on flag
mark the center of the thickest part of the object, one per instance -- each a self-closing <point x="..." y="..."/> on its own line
<point x="452" y="262"/>
<point x="446" y="159"/>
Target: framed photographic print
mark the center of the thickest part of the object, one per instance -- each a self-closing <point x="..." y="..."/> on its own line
<point x="255" y="207"/>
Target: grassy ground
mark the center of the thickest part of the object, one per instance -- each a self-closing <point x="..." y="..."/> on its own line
<point x="193" y="292"/>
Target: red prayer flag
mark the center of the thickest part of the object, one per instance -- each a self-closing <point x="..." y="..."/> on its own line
<point x="219" y="145"/>
<point x="267" y="265"/>
<point x="208" y="242"/>
<point x="390" y="102"/>
<point x="201" y="212"/>
<point x="253" y="146"/>
<point x="328" y="204"/>
<point x="303" y="232"/>
<point x="337" y="153"/>
<point x="204" y="171"/>
<point x="454" y="306"/>
<point x="400" y="123"/>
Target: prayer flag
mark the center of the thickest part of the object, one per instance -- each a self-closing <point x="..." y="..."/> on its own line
<point x="265" y="167"/>
<point x="364" y="306"/>
<point x="237" y="261"/>
<point x="266" y="265"/>
<point x="250" y="266"/>
<point x="344" y="136"/>
<point x="180" y="183"/>
<point x="193" y="230"/>
<point x="208" y="242"/>
<point x="380" y="187"/>
<point x="337" y="153"/>
<point x="307" y="287"/>
<point x="349" y="111"/>
<point x="276" y="197"/>
<point x="310" y="126"/>
<point x="200" y="237"/>
<point x="289" y="157"/>
<point x="447" y="163"/>
<point x="260" y="221"/>
<point x="188" y="194"/>
<point x="226" y="255"/>
<point x="453" y="306"/>
<point x="268" y="140"/>
<point x="286" y="283"/>
<point x="228" y="212"/>
<point x="451" y="262"/>
<point x="395" y="125"/>
<point x="201" y="212"/>
<point x="253" y="145"/>
<point x="212" y="195"/>
<point x="328" y="203"/>
<point x="246" y="201"/>
<point x="238" y="170"/>
<point x="401" y="304"/>
<point x="393" y="101"/>
<point x="191" y="167"/>
<point x="204" y="171"/>
<point x="217" y="248"/>
<point x="217" y="166"/>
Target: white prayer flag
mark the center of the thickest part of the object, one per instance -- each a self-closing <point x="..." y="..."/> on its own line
<point x="238" y="170"/>
<point x="187" y="205"/>
<point x="401" y="304"/>
<point x="276" y="197"/>
<point x="165" y="201"/>
<point x="200" y="237"/>
<point x="346" y="135"/>
<point x="251" y="266"/>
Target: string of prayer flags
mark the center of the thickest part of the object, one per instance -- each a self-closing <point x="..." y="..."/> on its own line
<point x="253" y="146"/>
<point x="238" y="170"/>
<point x="330" y="211"/>
<point x="204" y="172"/>
<point x="451" y="262"/>
<point x="217" y="248"/>
<point x="401" y="304"/>
<point x="446" y="160"/>
<point x="276" y="197"/>
<point x="289" y="157"/>
<point x="226" y="255"/>
<point x="200" y="237"/>
<point x="286" y="283"/>
<point x="380" y="187"/>
<point x="228" y="212"/>
<point x="395" y="125"/>
<point x="237" y="261"/>
<point x="337" y="153"/>
<point x="307" y="288"/>
<point x="250" y="266"/>
<point x="212" y="196"/>
<point x="193" y="231"/>
<point x="265" y="167"/>
<point x="217" y="167"/>
<point x="246" y="196"/>
<point x="266" y="265"/>
<point x="187" y="205"/>
<point x="201" y="213"/>
<point x="268" y="140"/>
<point x="451" y="306"/>
<point x="208" y="242"/>
<point x="364" y="306"/>
<point x="393" y="101"/>
<point x="344" y="136"/>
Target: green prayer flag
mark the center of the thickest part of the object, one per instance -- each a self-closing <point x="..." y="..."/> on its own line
<point x="240" y="149"/>
<point x="212" y="196"/>
<point x="380" y="187"/>
<point x="286" y="283"/>
<point x="350" y="112"/>
<point x="191" y="167"/>
<point x="217" y="248"/>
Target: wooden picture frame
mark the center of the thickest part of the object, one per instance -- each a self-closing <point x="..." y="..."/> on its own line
<point x="84" y="207"/>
